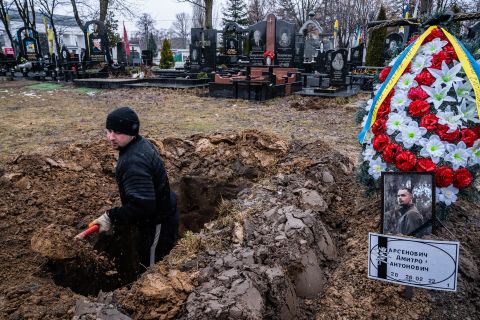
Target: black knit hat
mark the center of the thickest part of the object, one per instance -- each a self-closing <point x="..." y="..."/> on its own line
<point x="123" y="120"/>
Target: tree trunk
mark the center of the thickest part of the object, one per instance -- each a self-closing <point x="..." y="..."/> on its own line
<point x="4" y="15"/>
<point x="208" y="14"/>
<point x="55" y="37"/>
<point x="103" y="10"/>
<point x="77" y="16"/>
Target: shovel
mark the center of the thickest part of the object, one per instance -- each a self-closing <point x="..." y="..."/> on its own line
<point x="94" y="228"/>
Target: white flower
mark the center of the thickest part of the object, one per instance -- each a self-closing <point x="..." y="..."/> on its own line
<point x="407" y="81"/>
<point x="421" y="61"/>
<point x="400" y="100"/>
<point x="447" y="195"/>
<point x="474" y="154"/>
<point x="468" y="112"/>
<point x="396" y="121"/>
<point x="464" y="90"/>
<point x="458" y="155"/>
<point x="410" y="134"/>
<point x="433" y="47"/>
<point x="449" y="118"/>
<point x="437" y="95"/>
<point x="369" y="105"/>
<point x="369" y="152"/>
<point x="377" y="166"/>
<point x="433" y="148"/>
<point x="446" y="76"/>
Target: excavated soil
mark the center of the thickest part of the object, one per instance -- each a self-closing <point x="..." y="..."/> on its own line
<point x="273" y="228"/>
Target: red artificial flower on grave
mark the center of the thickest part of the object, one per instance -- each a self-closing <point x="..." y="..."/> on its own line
<point x="448" y="48"/>
<point x="425" y="165"/>
<point x="439" y="58"/>
<point x="419" y="108"/>
<point x="406" y="161"/>
<point x="380" y="142"/>
<point x="429" y="122"/>
<point x="443" y="176"/>
<point x="442" y="131"/>
<point x="379" y="126"/>
<point x="407" y="69"/>
<point x="425" y="78"/>
<point x="269" y="53"/>
<point x="436" y="33"/>
<point x="468" y="136"/>
<point x="476" y="129"/>
<point x="462" y="178"/>
<point x="384" y="110"/>
<point x="417" y="93"/>
<point x="391" y="151"/>
<point x="384" y="74"/>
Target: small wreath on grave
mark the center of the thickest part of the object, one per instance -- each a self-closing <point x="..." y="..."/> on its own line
<point x="425" y="117"/>
<point x="269" y="56"/>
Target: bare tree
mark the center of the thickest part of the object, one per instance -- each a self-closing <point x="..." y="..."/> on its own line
<point x="4" y="9"/>
<point x="181" y="27"/>
<point x="26" y="11"/>
<point x="207" y="7"/>
<point x="83" y="9"/>
<point x="145" y="24"/>
<point x="198" y="16"/>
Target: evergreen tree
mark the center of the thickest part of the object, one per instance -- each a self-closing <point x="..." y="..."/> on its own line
<point x="235" y="11"/>
<point x="152" y="45"/>
<point x="376" y="43"/>
<point x="166" y="55"/>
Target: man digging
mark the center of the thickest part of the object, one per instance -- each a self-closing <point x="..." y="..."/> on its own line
<point x="148" y="210"/>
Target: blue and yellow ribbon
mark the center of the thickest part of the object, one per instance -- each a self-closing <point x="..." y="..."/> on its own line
<point x="397" y="71"/>
<point x="470" y="66"/>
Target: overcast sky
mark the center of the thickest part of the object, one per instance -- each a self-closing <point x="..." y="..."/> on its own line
<point x="163" y="11"/>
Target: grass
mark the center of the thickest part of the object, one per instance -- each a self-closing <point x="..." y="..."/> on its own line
<point x="45" y="86"/>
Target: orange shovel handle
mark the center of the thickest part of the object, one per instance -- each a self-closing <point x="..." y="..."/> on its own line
<point x="88" y="232"/>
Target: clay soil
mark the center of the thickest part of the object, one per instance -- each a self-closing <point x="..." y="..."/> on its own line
<point x="260" y="185"/>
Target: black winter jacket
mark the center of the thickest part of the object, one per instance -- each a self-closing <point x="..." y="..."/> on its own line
<point x="143" y="185"/>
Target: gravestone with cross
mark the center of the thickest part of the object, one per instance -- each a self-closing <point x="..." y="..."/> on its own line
<point x="30" y="49"/>
<point x="203" y="49"/>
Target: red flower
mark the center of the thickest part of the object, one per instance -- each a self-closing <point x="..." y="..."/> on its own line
<point x="443" y="177"/>
<point x="406" y="161"/>
<point x="380" y="142"/>
<point x="384" y="74"/>
<point x="379" y="126"/>
<point x="476" y="129"/>
<point x="384" y="110"/>
<point x="425" y="165"/>
<point x="469" y="136"/>
<point x="447" y="136"/>
<point x="450" y="51"/>
<point x="417" y="93"/>
<point x="462" y="178"/>
<point x="425" y="78"/>
<point x="391" y="151"/>
<point x="429" y="122"/>
<point x="439" y="57"/>
<point x="389" y="97"/>
<point x="436" y="33"/>
<point x="419" y="108"/>
<point x="407" y="69"/>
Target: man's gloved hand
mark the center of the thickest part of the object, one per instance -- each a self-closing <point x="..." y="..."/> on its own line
<point x="103" y="222"/>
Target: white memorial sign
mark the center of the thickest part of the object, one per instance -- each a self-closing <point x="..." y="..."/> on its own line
<point x="429" y="264"/>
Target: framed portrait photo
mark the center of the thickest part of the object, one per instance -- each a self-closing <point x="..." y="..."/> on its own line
<point x="408" y="203"/>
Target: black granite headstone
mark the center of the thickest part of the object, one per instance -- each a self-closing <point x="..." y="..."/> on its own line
<point x="328" y="60"/>
<point x="29" y="44"/>
<point x="285" y="43"/>
<point x="338" y="68"/>
<point x="65" y="55"/>
<point x="393" y="45"/>
<point x="257" y="37"/>
<point x="356" y="55"/>
<point x="96" y="42"/>
<point x="147" y="56"/>
<point x="203" y="48"/>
